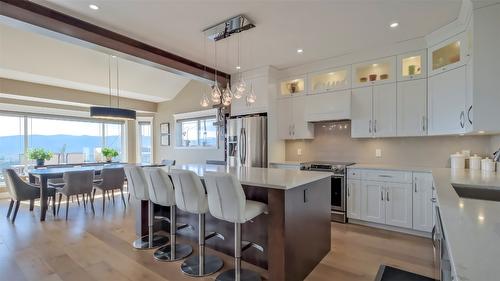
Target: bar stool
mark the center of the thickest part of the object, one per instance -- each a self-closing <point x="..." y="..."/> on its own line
<point x="161" y="192"/>
<point x="227" y="201"/>
<point x="190" y="197"/>
<point x="138" y="187"/>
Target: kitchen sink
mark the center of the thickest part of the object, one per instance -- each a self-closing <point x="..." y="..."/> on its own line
<point x="489" y="193"/>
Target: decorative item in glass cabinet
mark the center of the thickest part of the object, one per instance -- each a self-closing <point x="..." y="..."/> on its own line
<point x="373" y="77"/>
<point x="293" y="86"/>
<point x="384" y="76"/>
<point x="363" y="79"/>
<point x="251" y="96"/>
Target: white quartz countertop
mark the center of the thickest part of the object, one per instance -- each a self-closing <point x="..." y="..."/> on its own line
<point x="472" y="227"/>
<point x="390" y="167"/>
<point x="265" y="177"/>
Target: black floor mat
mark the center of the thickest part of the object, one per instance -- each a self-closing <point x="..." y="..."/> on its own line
<point x="389" y="273"/>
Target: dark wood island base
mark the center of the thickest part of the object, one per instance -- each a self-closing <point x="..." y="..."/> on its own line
<point x="295" y="233"/>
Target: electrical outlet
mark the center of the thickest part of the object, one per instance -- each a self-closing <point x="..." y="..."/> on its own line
<point x="299" y="151"/>
<point x="378" y="152"/>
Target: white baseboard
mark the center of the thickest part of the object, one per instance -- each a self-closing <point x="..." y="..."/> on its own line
<point x="391" y="228"/>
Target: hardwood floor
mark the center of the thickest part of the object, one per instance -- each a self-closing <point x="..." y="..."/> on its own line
<point x="98" y="248"/>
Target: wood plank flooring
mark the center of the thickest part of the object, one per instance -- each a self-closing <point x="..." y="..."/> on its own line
<point x="88" y="247"/>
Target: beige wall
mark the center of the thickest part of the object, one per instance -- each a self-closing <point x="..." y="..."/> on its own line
<point x="187" y="100"/>
<point x="418" y="151"/>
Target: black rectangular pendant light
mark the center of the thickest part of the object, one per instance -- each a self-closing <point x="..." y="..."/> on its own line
<point x="112" y="113"/>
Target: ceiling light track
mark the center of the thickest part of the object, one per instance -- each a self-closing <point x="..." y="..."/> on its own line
<point x="228" y="27"/>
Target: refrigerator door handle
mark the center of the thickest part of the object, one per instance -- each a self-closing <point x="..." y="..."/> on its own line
<point x="244" y="139"/>
<point x="240" y="144"/>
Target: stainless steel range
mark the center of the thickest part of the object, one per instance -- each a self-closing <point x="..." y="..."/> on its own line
<point x="338" y="184"/>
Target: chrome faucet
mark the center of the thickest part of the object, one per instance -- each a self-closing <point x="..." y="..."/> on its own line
<point x="496" y="156"/>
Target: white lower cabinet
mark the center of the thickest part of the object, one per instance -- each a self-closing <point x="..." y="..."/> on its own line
<point x="423" y="218"/>
<point x="393" y="198"/>
<point x="354" y="199"/>
<point x="398" y="204"/>
<point x="373" y="201"/>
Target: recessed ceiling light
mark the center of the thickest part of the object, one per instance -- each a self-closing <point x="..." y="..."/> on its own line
<point x="300" y="51"/>
<point x="94" y="7"/>
<point x="394" y="24"/>
<point x="238" y="67"/>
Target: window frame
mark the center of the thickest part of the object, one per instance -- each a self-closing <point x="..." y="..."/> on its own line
<point x="195" y="116"/>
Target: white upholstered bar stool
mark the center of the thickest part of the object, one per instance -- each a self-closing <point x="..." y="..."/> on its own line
<point x="190" y="197"/>
<point x="138" y="187"/>
<point x="227" y="201"/>
<point x="161" y="192"/>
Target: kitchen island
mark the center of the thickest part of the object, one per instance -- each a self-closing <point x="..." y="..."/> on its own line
<point x="295" y="233"/>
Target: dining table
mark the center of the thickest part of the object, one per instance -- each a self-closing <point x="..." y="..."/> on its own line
<point x="43" y="174"/>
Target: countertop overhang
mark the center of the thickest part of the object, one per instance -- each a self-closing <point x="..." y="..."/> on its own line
<point x="264" y="177"/>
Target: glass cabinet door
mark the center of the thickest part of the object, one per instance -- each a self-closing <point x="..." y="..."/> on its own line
<point x="412" y="65"/>
<point x="330" y="80"/>
<point x="374" y="72"/>
<point x="449" y="54"/>
<point x="293" y="86"/>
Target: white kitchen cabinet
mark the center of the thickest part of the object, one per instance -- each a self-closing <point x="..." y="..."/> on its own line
<point x="292" y="123"/>
<point x="412" y="65"/>
<point x="423" y="219"/>
<point x="361" y="112"/>
<point x="379" y="71"/>
<point x="447" y="94"/>
<point x="373" y="111"/>
<point x="373" y="201"/>
<point x="384" y="110"/>
<point x="354" y="199"/>
<point x="260" y="88"/>
<point x="412" y="108"/>
<point x="398" y="204"/>
<point x="328" y="106"/>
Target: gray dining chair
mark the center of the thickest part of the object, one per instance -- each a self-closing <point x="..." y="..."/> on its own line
<point x="75" y="183"/>
<point x="111" y="179"/>
<point x="19" y="191"/>
<point x="168" y="162"/>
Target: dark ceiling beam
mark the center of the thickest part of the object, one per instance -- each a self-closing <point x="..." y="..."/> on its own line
<point x="41" y="16"/>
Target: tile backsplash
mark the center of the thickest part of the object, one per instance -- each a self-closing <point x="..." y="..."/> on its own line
<point x="335" y="143"/>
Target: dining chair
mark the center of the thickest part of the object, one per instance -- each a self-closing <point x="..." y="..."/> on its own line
<point x="20" y="190"/>
<point x="75" y="183"/>
<point x="112" y="179"/>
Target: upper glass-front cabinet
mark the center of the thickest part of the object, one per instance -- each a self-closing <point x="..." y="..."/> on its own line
<point x="412" y="65"/>
<point x="449" y="54"/>
<point x="293" y="86"/>
<point x="330" y="80"/>
<point x="374" y="72"/>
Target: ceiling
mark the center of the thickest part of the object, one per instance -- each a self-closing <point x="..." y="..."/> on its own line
<point x="37" y="58"/>
<point x="322" y="29"/>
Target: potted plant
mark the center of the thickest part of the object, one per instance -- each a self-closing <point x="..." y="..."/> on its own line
<point x="109" y="153"/>
<point x="40" y="155"/>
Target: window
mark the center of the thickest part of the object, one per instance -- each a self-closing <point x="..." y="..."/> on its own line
<point x="196" y="132"/>
<point x="145" y="142"/>
<point x="71" y="140"/>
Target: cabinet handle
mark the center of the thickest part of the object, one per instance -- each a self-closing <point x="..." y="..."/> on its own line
<point x="385" y="176"/>
<point x="387" y="195"/>
<point x="462" y="117"/>
<point x="348" y="192"/>
<point x="416" y="186"/>
<point x="370" y="126"/>
<point x="468" y="114"/>
<point x="375" y="126"/>
<point x="293" y="129"/>
<point x="382" y="195"/>
<point x="433" y="200"/>
<point x="423" y="123"/>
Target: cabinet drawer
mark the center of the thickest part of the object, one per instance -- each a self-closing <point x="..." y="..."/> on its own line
<point x="353" y="174"/>
<point x="387" y="176"/>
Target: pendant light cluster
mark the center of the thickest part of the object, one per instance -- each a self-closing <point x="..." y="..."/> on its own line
<point x="224" y="97"/>
<point x="115" y="113"/>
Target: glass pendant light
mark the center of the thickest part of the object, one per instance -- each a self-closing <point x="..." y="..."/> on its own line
<point x="251" y="98"/>
<point x="204" y="102"/>
<point x="240" y="87"/>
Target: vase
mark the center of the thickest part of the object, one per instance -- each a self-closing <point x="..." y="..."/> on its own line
<point x="109" y="159"/>
<point x="40" y="162"/>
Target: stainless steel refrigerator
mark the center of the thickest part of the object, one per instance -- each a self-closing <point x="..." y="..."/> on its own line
<point x="247" y="141"/>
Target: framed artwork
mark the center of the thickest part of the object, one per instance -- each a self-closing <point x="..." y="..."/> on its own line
<point x="165" y="134"/>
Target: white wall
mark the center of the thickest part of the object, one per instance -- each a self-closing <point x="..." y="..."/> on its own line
<point x="187" y="100"/>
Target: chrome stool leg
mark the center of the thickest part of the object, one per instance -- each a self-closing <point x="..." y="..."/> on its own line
<point x="237" y="273"/>
<point x="151" y="240"/>
<point x="201" y="265"/>
<point x="173" y="251"/>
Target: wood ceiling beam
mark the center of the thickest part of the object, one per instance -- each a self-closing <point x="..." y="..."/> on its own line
<point x="41" y="16"/>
